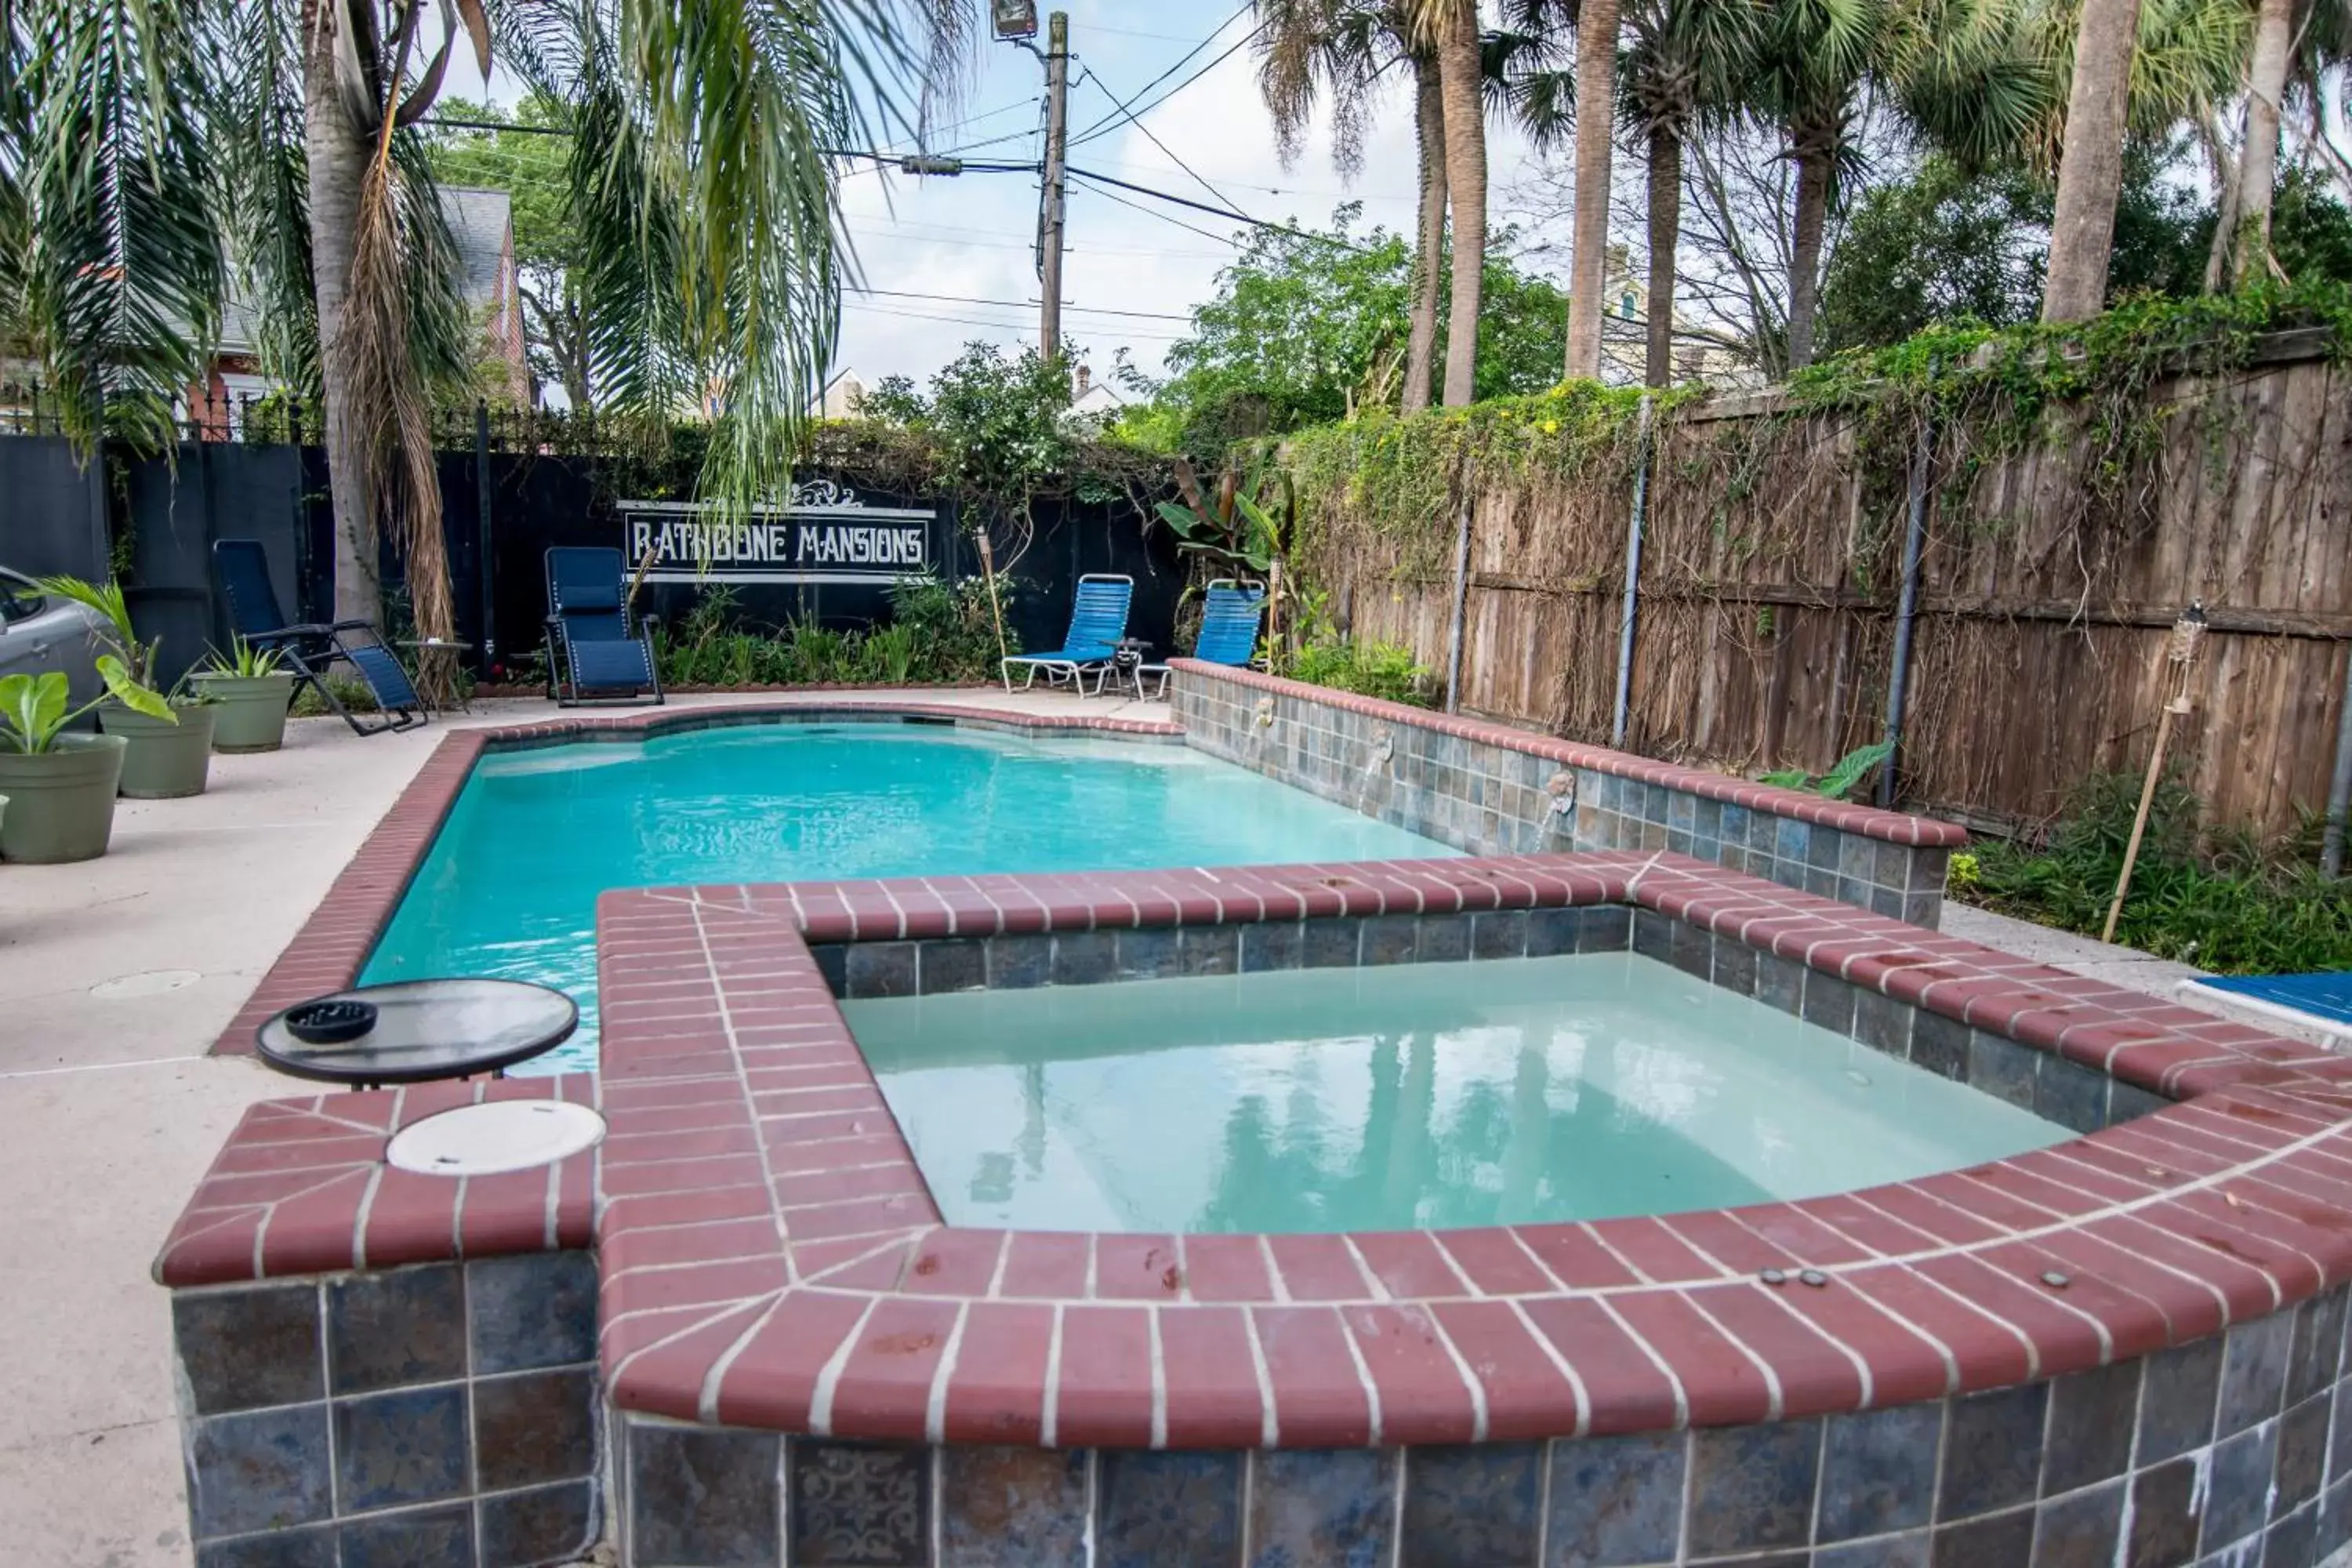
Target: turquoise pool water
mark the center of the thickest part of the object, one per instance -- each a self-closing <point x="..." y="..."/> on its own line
<point x="1419" y="1095"/>
<point x="509" y="887"/>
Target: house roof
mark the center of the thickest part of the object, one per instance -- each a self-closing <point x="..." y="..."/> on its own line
<point x="479" y="220"/>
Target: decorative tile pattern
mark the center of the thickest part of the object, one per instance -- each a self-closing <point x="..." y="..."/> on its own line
<point x="858" y="1506"/>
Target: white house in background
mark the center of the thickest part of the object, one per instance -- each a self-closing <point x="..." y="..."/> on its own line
<point x="1096" y="399"/>
<point x="481" y="223"/>
<point x="841" y="399"/>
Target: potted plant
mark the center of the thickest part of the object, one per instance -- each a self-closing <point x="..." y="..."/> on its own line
<point x="169" y="752"/>
<point x="249" y="696"/>
<point x="59" y="785"/>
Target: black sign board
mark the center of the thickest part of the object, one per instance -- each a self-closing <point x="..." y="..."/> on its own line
<point x="827" y="534"/>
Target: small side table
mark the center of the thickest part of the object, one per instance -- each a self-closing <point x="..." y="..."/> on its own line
<point x="419" y="646"/>
<point x="427" y="1030"/>
<point x="1125" y="665"/>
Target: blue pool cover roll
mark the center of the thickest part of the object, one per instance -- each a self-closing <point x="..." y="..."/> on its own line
<point x="2327" y="995"/>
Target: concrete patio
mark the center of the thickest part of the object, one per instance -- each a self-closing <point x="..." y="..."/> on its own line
<point x="119" y="972"/>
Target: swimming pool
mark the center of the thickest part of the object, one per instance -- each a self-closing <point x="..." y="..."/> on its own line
<point x="1410" y="1098"/>
<point x="509" y="887"/>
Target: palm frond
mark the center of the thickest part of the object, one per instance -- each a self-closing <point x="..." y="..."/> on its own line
<point x="116" y="284"/>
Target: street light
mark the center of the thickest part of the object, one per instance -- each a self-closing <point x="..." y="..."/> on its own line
<point x="1016" y="18"/>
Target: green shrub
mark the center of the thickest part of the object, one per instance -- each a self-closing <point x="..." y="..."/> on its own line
<point x="1382" y="670"/>
<point x="349" y="689"/>
<point x="937" y="635"/>
<point x="2223" y="901"/>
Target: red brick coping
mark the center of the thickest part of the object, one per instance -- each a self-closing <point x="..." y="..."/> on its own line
<point x="1894" y="826"/>
<point x="770" y="1257"/>
<point x="334" y="944"/>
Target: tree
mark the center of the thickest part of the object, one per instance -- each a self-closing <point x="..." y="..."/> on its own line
<point x="2090" y="172"/>
<point x="700" y="179"/>
<point x="1451" y="28"/>
<point x="1816" y="57"/>
<point x="531" y="167"/>
<point x="1348" y="47"/>
<point x="111" y="275"/>
<point x="1681" y="69"/>
<point x="1588" y="263"/>
<point x="1305" y="330"/>
<point x="1945" y="244"/>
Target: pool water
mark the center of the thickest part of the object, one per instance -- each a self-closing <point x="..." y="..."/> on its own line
<point x="509" y="887"/>
<point x="1415" y="1096"/>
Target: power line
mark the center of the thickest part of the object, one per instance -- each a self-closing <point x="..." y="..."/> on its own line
<point x="1020" y="304"/>
<point x="1097" y="128"/>
<point x="1023" y="329"/>
<point x="1233" y="213"/>
<point x="1086" y="74"/>
<point x="1152" y="212"/>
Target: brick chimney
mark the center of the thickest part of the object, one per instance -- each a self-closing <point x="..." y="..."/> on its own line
<point x="1085" y="378"/>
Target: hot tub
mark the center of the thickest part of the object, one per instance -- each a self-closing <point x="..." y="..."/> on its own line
<point x="2126" y="1345"/>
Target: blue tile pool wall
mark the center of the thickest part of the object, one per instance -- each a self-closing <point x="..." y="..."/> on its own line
<point x="1490" y="799"/>
<point x="2039" y="1081"/>
<point x="446" y="1414"/>
<point x="2235" y="1451"/>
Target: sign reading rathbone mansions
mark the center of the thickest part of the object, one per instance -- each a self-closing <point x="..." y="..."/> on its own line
<point x="825" y="535"/>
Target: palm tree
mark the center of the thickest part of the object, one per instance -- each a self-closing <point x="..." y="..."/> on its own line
<point x="1588" y="261"/>
<point x="111" y="278"/>
<point x="1815" y="58"/>
<point x="2296" y="47"/>
<point x="699" y="176"/>
<point x="1346" y="47"/>
<point x="1681" y="67"/>
<point x="2090" y="172"/>
<point x="1450" y="29"/>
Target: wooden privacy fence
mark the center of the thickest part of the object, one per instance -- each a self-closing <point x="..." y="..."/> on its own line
<point x="1770" y="570"/>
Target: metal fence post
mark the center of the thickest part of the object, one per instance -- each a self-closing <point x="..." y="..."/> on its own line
<point x="2339" y="789"/>
<point x="482" y="500"/>
<point x="1453" y="636"/>
<point x="1624" y="704"/>
<point x="1906" y="609"/>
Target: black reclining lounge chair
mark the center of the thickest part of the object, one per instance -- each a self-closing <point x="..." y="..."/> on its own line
<point x="242" y="568"/>
<point x="592" y="655"/>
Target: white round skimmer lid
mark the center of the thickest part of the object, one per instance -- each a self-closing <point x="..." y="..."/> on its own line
<point x="501" y="1135"/>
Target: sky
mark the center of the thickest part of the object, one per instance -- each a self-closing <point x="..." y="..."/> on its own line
<point x="972" y="237"/>
<point x="1134" y="268"/>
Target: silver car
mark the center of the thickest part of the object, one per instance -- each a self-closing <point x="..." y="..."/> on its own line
<point x="41" y="631"/>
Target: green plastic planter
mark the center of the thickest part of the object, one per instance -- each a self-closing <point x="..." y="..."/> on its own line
<point x="165" y="760"/>
<point x="249" y="710"/>
<point x="60" y="803"/>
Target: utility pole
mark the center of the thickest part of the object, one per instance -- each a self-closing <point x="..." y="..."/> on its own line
<point x="1049" y="219"/>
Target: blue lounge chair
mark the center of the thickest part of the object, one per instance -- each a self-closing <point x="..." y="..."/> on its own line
<point x="1229" y="628"/>
<point x="593" y="656"/>
<point x="241" y="567"/>
<point x="1098" y="623"/>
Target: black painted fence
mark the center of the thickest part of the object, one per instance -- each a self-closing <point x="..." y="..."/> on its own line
<point x="159" y="517"/>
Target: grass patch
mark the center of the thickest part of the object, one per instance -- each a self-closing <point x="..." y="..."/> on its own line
<point x="2225" y="902"/>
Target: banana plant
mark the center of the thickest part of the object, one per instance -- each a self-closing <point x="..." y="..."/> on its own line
<point x="1842" y="780"/>
<point x="1242" y="529"/>
<point x="34" y="709"/>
